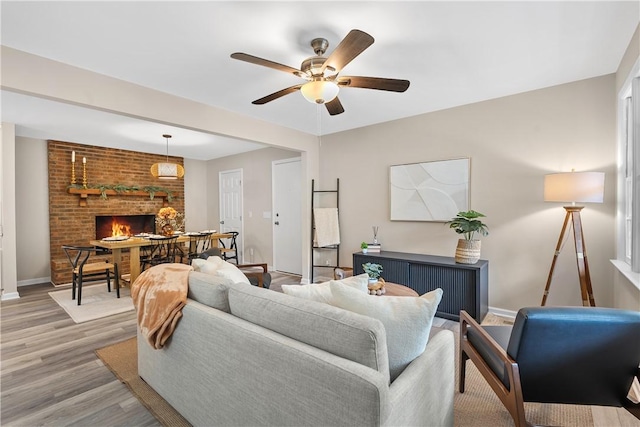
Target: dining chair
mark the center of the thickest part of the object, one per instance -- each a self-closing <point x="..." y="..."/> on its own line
<point x="229" y="250"/>
<point x="570" y="355"/>
<point x="198" y="243"/>
<point x="162" y="250"/>
<point x="78" y="257"/>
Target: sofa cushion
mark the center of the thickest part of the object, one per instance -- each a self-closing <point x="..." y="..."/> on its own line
<point x="209" y="290"/>
<point x="321" y="292"/>
<point x="407" y="320"/>
<point x="343" y="333"/>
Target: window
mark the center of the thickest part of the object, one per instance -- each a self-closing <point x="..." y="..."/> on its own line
<point x="629" y="176"/>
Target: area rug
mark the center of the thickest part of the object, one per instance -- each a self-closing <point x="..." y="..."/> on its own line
<point x="477" y="406"/>
<point x="122" y="359"/>
<point x="96" y="302"/>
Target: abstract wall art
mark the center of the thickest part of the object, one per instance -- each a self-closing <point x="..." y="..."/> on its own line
<point x="429" y="191"/>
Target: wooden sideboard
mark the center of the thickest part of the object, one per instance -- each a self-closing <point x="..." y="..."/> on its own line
<point x="465" y="286"/>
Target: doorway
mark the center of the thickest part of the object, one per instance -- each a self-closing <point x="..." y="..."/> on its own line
<point x="287" y="215"/>
<point x="230" y="200"/>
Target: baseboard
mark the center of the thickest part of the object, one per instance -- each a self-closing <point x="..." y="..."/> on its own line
<point x="9" y="295"/>
<point x="36" y="281"/>
<point x="502" y="312"/>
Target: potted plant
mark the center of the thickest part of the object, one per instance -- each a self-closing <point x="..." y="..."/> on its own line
<point x="373" y="271"/>
<point x="468" y="224"/>
<point x="364" y="247"/>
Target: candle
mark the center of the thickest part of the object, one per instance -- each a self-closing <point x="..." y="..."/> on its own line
<point x="73" y="157"/>
<point x="84" y="160"/>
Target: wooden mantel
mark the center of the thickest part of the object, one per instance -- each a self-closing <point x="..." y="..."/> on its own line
<point x="83" y="193"/>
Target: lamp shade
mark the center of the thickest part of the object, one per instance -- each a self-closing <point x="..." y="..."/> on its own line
<point x="319" y="91"/>
<point x="167" y="170"/>
<point x="581" y="187"/>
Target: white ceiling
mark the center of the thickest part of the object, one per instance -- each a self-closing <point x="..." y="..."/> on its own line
<point x="454" y="53"/>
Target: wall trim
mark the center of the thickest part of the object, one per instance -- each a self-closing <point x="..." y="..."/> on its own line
<point x="502" y="312"/>
<point x="9" y="296"/>
<point x="35" y="281"/>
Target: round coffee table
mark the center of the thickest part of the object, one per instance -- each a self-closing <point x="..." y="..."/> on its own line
<point x="396" y="290"/>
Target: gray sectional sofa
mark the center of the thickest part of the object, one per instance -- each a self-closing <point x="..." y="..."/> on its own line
<point x="247" y="356"/>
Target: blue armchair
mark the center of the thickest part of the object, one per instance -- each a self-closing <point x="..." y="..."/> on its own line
<point x="572" y="355"/>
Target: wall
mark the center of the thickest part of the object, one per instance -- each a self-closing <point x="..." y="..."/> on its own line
<point x="195" y="205"/>
<point x="72" y="224"/>
<point x="32" y="203"/>
<point x="8" y="214"/>
<point x="512" y="142"/>
<point x="256" y="169"/>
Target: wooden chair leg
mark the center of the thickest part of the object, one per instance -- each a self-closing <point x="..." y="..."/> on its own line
<point x="463" y="370"/>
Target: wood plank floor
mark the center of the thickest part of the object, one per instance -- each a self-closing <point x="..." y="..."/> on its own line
<point x="50" y="375"/>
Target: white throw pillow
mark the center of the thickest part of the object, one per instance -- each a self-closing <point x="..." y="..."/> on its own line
<point x="230" y="271"/>
<point x="407" y="320"/>
<point x="208" y="266"/>
<point x="322" y="292"/>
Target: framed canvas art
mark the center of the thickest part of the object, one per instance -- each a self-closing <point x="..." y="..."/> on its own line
<point x="429" y="191"/>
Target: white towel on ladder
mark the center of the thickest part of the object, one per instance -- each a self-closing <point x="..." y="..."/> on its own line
<point x="327" y="228"/>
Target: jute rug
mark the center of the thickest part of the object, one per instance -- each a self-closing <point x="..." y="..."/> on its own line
<point x="478" y="406"/>
<point x="96" y="302"/>
<point x="122" y="359"/>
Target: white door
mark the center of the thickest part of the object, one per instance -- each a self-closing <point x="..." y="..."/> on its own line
<point x="287" y="216"/>
<point x="230" y="194"/>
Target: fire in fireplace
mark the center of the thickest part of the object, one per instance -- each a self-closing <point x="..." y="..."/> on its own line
<point x="124" y="225"/>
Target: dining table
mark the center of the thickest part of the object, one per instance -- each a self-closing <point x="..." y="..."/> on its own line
<point x="134" y="243"/>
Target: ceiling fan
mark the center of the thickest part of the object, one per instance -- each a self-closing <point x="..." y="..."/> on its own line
<point x="321" y="72"/>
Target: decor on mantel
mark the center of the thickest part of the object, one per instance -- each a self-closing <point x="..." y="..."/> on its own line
<point x="105" y="190"/>
<point x="166" y="170"/>
<point x="73" y="168"/>
<point x="169" y="221"/>
<point x="581" y="187"/>
<point x="468" y="224"/>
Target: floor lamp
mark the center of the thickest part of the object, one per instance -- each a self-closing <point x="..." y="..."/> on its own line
<point x="581" y="187"/>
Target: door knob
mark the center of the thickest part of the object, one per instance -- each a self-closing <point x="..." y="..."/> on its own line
<point x="277" y="223"/>
<point x="221" y="222"/>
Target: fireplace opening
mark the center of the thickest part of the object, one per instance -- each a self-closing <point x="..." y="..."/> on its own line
<point x="124" y="225"/>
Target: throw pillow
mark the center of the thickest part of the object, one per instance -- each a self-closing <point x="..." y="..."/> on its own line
<point x="231" y="272"/>
<point x="322" y="292"/>
<point x="407" y="320"/>
<point x="208" y="266"/>
<point x="218" y="267"/>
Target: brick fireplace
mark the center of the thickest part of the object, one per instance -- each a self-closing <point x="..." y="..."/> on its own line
<point x="73" y="224"/>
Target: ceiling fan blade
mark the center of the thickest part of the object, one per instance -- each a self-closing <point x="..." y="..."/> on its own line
<point x="351" y="46"/>
<point x="265" y="63"/>
<point x="276" y="95"/>
<point x="392" y="85"/>
<point x="334" y="107"/>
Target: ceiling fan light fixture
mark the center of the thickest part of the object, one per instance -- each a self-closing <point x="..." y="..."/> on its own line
<point x="167" y="170"/>
<point x="319" y="91"/>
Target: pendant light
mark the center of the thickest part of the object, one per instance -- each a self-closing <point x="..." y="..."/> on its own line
<point x="167" y="170"/>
